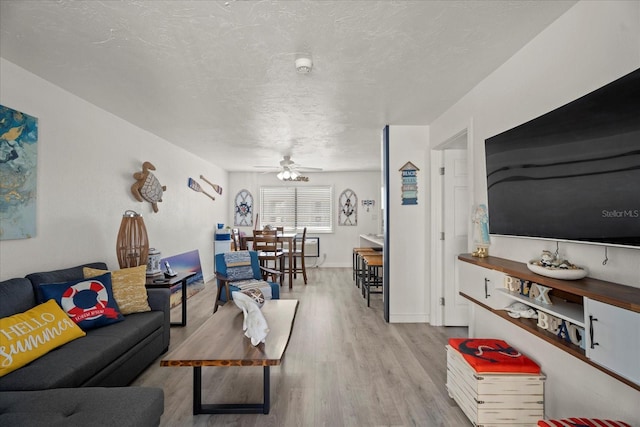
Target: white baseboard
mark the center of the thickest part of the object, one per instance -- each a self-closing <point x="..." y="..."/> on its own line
<point x="409" y="318"/>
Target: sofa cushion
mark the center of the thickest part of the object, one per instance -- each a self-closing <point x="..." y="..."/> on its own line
<point x="78" y="361"/>
<point x="94" y="406"/>
<point x="16" y="296"/>
<point x="32" y="334"/>
<point x="128" y="287"/>
<point x="62" y="275"/>
<point x="89" y="302"/>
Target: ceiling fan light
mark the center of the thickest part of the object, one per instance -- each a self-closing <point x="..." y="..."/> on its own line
<point x="294" y="175"/>
<point x="286" y="174"/>
<point x="280" y="176"/>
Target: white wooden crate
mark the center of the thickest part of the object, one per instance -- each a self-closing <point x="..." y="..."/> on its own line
<point x="495" y="399"/>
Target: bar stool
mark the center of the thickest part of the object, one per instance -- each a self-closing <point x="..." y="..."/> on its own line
<point x="373" y="264"/>
<point x="357" y="262"/>
<point x="364" y="271"/>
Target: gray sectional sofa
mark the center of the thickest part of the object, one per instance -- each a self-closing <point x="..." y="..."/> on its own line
<point x="90" y="369"/>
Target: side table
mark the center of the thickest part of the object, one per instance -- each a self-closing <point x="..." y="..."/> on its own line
<point x="163" y="282"/>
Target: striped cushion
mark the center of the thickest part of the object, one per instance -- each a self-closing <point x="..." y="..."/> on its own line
<point x="581" y="422"/>
<point x="237" y="258"/>
<point x="238" y="265"/>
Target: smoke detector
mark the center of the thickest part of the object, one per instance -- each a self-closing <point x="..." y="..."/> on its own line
<point x="304" y="65"/>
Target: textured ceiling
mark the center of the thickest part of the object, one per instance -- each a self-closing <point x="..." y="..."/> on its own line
<point x="218" y="78"/>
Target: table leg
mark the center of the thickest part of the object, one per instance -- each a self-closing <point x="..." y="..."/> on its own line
<point x="197" y="390"/>
<point x="230" y="408"/>
<point x="291" y="264"/>
<point x="266" y="390"/>
<point x="183" y="321"/>
<point x="184" y="303"/>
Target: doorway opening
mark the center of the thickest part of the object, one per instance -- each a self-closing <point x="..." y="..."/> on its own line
<point x="450" y="213"/>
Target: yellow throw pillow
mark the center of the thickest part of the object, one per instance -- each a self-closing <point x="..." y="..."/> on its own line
<point x="128" y="287"/>
<point x="26" y="336"/>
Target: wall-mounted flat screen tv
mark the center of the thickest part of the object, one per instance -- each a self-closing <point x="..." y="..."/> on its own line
<point x="573" y="173"/>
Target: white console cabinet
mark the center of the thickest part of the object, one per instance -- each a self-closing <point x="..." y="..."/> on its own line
<point x="482" y="284"/>
<point x="613" y="338"/>
<point x="608" y="312"/>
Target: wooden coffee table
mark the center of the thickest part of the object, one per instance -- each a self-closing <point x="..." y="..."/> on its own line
<point x="220" y="341"/>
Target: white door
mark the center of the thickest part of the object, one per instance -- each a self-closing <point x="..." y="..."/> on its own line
<point x="456" y="219"/>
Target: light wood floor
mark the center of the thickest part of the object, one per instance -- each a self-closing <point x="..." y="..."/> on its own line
<point x="344" y="366"/>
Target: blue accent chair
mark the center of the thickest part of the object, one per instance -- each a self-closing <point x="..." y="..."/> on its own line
<point x="259" y="273"/>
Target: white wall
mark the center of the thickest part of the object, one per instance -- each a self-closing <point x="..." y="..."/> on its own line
<point x="86" y="158"/>
<point x="335" y="248"/>
<point x="591" y="45"/>
<point x="409" y="297"/>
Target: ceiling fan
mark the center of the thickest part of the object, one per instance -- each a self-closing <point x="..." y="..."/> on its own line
<point x="288" y="169"/>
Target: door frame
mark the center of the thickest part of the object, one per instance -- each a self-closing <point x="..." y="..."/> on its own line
<point x="385" y="231"/>
<point x="437" y="220"/>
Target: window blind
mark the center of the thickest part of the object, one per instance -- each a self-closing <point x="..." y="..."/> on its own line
<point x="298" y="207"/>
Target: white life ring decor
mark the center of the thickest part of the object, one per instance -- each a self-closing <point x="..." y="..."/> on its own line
<point x="97" y="310"/>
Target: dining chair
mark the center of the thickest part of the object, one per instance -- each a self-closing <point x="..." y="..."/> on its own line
<point x="273" y="232"/>
<point x="266" y="244"/>
<point x="298" y="253"/>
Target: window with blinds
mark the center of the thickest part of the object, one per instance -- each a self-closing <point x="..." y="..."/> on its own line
<point x="298" y="207"/>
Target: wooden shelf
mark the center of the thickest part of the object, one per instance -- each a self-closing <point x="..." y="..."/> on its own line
<point x="622" y="296"/>
<point x="569" y="311"/>
<point x="625" y="297"/>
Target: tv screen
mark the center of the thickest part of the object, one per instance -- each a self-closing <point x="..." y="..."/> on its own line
<point x="573" y="173"/>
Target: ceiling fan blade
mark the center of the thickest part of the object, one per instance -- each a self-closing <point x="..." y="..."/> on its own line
<point x="287" y="164"/>
<point x="298" y="167"/>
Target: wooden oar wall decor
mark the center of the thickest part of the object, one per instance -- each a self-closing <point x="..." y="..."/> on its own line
<point x="195" y="186"/>
<point x="216" y="187"/>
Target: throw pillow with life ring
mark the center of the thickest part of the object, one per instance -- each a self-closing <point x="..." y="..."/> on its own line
<point x="88" y="302"/>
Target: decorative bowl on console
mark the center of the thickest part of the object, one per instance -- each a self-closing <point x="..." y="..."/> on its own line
<point x="557" y="273"/>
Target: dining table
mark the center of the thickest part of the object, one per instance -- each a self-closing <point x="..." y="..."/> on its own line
<point x="289" y="238"/>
